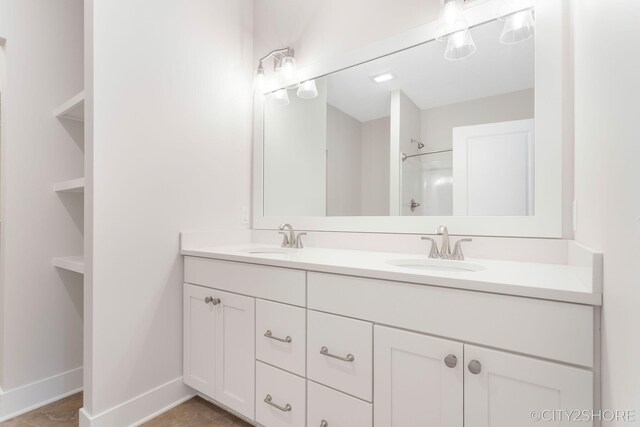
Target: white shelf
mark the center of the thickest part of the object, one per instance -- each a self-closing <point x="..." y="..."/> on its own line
<point x="72" y="109"/>
<point x="70" y="186"/>
<point x="71" y="263"/>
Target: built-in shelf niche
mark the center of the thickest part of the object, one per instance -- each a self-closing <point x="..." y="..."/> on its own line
<point x="71" y="263"/>
<point x="70" y="186"/>
<point x="73" y="109"/>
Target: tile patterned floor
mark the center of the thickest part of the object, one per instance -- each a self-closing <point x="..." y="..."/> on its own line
<point x="195" y="412"/>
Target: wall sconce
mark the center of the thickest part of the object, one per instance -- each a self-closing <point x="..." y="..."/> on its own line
<point x="284" y="66"/>
<point x="518" y="21"/>
<point x="454" y="29"/>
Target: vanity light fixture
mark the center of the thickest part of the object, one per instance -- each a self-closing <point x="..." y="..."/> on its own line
<point x="519" y="24"/>
<point x="454" y="29"/>
<point x="383" y="77"/>
<point x="284" y="66"/>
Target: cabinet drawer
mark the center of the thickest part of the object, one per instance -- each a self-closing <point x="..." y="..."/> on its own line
<point x="272" y="283"/>
<point x="285" y="392"/>
<point x="339" y="353"/>
<point x="281" y="336"/>
<point x="337" y="409"/>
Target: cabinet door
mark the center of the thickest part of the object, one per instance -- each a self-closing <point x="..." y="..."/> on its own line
<point x="235" y="353"/>
<point x="502" y="389"/>
<point x="199" y="339"/>
<point x="413" y="385"/>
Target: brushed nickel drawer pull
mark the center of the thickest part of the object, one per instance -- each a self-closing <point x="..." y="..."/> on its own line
<point x="349" y="357"/>
<point x="268" y="334"/>
<point x="285" y="408"/>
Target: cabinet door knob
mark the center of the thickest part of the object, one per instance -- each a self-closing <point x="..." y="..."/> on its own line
<point x="212" y="300"/>
<point x="324" y="423"/>
<point x="475" y="367"/>
<point x="451" y="361"/>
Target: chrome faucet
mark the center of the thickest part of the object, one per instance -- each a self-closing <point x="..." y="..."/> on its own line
<point x="290" y="239"/>
<point x="445" y="252"/>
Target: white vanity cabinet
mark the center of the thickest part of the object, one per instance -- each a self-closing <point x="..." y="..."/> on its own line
<point x="286" y="347"/>
<point x="219" y="346"/>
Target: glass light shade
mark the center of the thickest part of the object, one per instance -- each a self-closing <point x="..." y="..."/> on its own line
<point x="518" y="27"/>
<point x="307" y="90"/>
<point x="289" y="72"/>
<point x="460" y="45"/>
<point x="451" y="19"/>
<point x="280" y="98"/>
<point x="259" y="82"/>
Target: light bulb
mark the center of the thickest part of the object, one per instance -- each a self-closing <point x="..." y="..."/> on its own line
<point x="307" y="90"/>
<point x="280" y="98"/>
<point x="460" y="45"/>
<point x="518" y="27"/>
<point x="259" y="82"/>
<point x="289" y="72"/>
<point x="451" y="19"/>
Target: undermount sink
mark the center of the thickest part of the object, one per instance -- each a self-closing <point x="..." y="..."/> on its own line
<point x="436" y="264"/>
<point x="272" y="251"/>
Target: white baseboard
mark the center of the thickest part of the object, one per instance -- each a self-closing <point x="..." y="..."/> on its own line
<point x="141" y="408"/>
<point x="32" y="396"/>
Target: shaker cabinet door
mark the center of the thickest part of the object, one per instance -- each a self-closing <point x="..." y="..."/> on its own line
<point x="418" y="380"/>
<point x="199" y="339"/>
<point x="235" y="353"/>
<point x="503" y="390"/>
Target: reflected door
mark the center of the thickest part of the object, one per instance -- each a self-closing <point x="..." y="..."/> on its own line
<point x="493" y="169"/>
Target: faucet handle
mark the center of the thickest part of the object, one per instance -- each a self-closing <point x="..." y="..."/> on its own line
<point x="457" y="249"/>
<point x="433" y="253"/>
<point x="285" y="239"/>
<point x="299" y="244"/>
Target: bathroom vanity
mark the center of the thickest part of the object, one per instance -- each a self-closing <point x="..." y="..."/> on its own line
<point x="328" y="337"/>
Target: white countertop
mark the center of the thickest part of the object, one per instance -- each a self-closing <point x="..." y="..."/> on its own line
<point x="534" y="280"/>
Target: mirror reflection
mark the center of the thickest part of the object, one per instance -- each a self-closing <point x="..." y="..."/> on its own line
<point x="408" y="134"/>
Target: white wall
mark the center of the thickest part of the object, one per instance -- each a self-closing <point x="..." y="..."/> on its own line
<point x="607" y="184"/>
<point x="41" y="306"/>
<point x="437" y="123"/>
<point x="344" y="163"/>
<point x="321" y="29"/>
<point x="294" y="156"/>
<point x="172" y="136"/>
<point x="375" y="167"/>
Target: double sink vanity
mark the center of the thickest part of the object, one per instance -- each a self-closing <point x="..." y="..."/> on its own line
<point x="331" y="337"/>
<point x="395" y="141"/>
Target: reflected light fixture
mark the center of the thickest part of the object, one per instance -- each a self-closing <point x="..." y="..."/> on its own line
<point x="307" y="90"/>
<point x="454" y="29"/>
<point x="519" y="24"/>
<point x="280" y="98"/>
<point x="284" y="65"/>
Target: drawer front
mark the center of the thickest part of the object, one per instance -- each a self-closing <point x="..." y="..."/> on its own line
<point x="335" y="408"/>
<point x="271" y="283"/>
<point x="548" y="329"/>
<point x="285" y="396"/>
<point x="281" y="336"/>
<point x="339" y="353"/>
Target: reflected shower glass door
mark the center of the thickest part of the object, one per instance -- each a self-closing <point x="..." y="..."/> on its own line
<point x="427" y="184"/>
